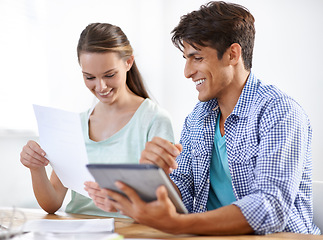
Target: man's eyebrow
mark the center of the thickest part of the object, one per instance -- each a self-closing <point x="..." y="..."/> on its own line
<point x="191" y="54"/>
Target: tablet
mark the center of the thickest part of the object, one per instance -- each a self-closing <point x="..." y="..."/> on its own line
<point x="143" y="178"/>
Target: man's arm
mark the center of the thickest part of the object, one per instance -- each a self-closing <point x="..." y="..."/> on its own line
<point x="161" y="214"/>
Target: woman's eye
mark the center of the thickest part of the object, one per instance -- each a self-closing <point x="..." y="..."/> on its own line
<point x="89" y="78"/>
<point x="110" y="75"/>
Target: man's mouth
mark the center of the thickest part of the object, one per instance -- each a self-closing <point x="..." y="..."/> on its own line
<point x="198" y="82"/>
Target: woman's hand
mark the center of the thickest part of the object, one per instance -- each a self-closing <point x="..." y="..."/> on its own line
<point x="32" y="156"/>
<point x="99" y="196"/>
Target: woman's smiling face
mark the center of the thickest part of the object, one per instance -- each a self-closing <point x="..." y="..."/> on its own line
<point x="105" y="74"/>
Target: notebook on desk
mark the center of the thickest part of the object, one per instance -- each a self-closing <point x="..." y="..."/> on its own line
<point x="143" y="178"/>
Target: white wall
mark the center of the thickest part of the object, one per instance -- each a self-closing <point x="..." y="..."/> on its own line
<point x="38" y="64"/>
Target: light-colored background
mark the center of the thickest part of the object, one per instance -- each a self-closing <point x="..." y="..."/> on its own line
<point x="38" y="64"/>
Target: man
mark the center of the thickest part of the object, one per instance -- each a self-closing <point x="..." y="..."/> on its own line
<point x="243" y="164"/>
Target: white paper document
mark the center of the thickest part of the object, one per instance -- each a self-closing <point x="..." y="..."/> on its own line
<point x="61" y="137"/>
<point x="70" y="226"/>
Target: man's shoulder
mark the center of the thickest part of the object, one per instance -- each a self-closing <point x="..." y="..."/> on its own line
<point x="265" y="94"/>
<point x="261" y="90"/>
<point x="272" y="101"/>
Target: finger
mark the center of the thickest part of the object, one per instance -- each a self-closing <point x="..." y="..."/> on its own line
<point x="94" y="191"/>
<point x="179" y="146"/>
<point x="29" y="154"/>
<point x="160" y="152"/>
<point x="162" y="194"/>
<point x="166" y="145"/>
<point x="162" y="198"/>
<point x="36" y="148"/>
<point x="119" y="202"/>
<point x="92" y="185"/>
<point x="129" y="192"/>
<point x="126" y="204"/>
<point x="28" y="160"/>
<point x="153" y="158"/>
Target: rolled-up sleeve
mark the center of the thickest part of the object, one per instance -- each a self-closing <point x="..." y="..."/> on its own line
<point x="281" y="169"/>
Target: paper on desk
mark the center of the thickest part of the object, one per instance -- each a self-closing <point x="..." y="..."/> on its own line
<point x="70" y="226"/>
<point x="61" y="137"/>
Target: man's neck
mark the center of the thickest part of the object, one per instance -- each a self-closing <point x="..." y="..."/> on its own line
<point x="228" y="102"/>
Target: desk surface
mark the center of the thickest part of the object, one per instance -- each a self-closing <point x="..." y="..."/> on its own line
<point x="129" y="229"/>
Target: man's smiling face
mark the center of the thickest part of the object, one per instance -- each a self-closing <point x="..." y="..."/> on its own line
<point x="210" y="75"/>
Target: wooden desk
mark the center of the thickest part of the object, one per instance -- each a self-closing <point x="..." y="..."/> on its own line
<point x="129" y="229"/>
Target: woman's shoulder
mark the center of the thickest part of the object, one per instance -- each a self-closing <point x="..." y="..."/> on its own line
<point x="86" y="113"/>
<point x="150" y="109"/>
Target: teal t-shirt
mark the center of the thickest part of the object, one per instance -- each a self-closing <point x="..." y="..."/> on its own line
<point x="221" y="192"/>
<point x="125" y="146"/>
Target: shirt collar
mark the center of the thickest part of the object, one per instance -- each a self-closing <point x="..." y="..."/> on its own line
<point x="244" y="102"/>
<point x="247" y="96"/>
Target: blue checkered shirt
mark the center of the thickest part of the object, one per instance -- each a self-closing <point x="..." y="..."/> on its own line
<point x="268" y="140"/>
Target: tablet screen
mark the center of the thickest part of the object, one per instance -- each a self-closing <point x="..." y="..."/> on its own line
<point x="143" y="178"/>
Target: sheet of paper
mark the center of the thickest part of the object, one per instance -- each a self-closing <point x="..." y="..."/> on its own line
<point x="61" y="137"/>
<point x="70" y="226"/>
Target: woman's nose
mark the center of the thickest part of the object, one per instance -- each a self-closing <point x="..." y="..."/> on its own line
<point x="102" y="85"/>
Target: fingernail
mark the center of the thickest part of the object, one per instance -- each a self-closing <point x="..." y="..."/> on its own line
<point x="175" y="165"/>
<point x="118" y="184"/>
<point x="176" y="152"/>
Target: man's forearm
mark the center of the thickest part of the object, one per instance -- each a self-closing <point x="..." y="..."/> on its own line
<point x="227" y="220"/>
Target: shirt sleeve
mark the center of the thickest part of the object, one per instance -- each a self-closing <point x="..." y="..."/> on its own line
<point x="161" y="126"/>
<point x="283" y="157"/>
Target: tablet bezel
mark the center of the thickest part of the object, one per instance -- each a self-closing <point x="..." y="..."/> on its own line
<point x="143" y="178"/>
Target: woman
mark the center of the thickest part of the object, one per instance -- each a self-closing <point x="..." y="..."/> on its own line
<point x="115" y="129"/>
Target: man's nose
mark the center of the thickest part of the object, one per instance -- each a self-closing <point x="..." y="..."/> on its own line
<point x="189" y="70"/>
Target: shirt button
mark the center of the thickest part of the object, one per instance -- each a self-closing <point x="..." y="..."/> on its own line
<point x="193" y="151"/>
<point x="201" y="207"/>
<point x="208" y="181"/>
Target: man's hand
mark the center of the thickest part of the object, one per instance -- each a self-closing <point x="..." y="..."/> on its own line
<point x="160" y="214"/>
<point x="161" y="153"/>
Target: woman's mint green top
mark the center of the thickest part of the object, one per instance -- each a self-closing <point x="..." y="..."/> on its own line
<point x="125" y="146"/>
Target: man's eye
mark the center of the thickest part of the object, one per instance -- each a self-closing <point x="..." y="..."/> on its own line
<point x="198" y="59"/>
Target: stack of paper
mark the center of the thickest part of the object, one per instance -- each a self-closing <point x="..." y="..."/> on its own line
<point x="70" y="226"/>
<point x="83" y="229"/>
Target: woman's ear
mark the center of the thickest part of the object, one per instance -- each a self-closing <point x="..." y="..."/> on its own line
<point x="235" y="53"/>
<point x="129" y="62"/>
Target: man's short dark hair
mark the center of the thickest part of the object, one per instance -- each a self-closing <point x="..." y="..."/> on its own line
<point x="218" y="25"/>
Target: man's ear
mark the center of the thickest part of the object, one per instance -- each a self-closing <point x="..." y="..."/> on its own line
<point x="235" y="53"/>
<point x="129" y="62"/>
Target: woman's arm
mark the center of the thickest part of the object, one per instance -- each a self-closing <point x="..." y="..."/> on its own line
<point x="50" y="194"/>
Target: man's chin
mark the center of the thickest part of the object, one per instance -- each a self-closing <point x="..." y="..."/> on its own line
<point x="203" y="99"/>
